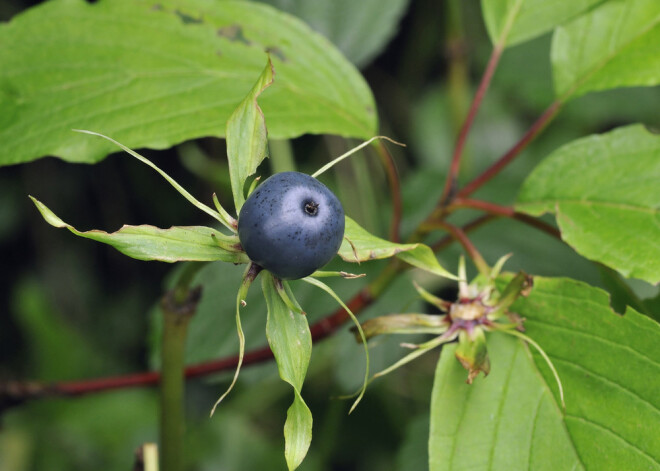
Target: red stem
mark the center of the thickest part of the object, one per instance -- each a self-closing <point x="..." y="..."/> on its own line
<point x="448" y="239"/>
<point x="508" y="212"/>
<point x="452" y="177"/>
<point x="503" y="161"/>
<point x="24" y="390"/>
<point x="458" y="234"/>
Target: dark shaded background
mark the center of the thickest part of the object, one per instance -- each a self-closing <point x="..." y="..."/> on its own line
<point x="73" y="309"/>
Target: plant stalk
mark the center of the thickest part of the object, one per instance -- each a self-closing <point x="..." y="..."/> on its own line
<point x="506" y="159"/>
<point x="451" y="182"/>
<point x="178" y="307"/>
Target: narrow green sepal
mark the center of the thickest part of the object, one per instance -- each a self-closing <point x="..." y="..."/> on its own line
<point x="404" y="324"/>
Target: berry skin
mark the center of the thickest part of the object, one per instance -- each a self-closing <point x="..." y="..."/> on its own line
<point x="291" y="225"/>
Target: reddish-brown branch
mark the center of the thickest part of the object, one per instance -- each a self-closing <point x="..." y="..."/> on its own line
<point x="458" y="234"/>
<point x="19" y="391"/>
<point x="452" y="177"/>
<point x="15" y="392"/>
<point x="506" y="211"/>
<point x="503" y="161"/>
<point x="449" y="239"/>
<point x="395" y="189"/>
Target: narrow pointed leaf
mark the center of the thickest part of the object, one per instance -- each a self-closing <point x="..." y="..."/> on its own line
<point x="221" y="214"/>
<point x="191" y="243"/>
<point x="291" y="342"/>
<point x="361" y="336"/>
<point x="247" y="137"/>
<point x="605" y="195"/>
<point x="404" y="324"/>
<point x="613" y="45"/>
<point x="165" y="72"/>
<point x="508" y="420"/>
<point x="367" y="246"/>
<point x="511" y="22"/>
<point x="248" y="277"/>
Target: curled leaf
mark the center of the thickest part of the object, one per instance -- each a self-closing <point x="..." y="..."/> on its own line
<point x="248" y="277"/>
<point x="327" y="289"/>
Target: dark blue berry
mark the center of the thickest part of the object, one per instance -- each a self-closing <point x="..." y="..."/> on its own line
<point x="291" y="225"/>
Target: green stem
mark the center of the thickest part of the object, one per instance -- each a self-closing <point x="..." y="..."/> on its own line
<point x="178" y="307"/>
<point x="172" y="418"/>
<point x="281" y="155"/>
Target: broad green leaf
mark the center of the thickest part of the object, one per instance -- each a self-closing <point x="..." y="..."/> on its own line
<point x="247" y="137"/>
<point x="193" y="243"/>
<point x="359" y="246"/>
<point x="511" y="22"/>
<point x="291" y="342"/>
<point x="507" y="420"/>
<point x="359" y="29"/>
<point x="154" y="74"/>
<point x="605" y="195"/>
<point x="613" y="45"/>
<point x="609" y="366"/>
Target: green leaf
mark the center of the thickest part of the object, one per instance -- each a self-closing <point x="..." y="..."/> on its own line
<point x="508" y="420"/>
<point x="511" y="22"/>
<point x="164" y="72"/>
<point x="608" y="364"/>
<point x="359" y="29"/>
<point x="291" y="342"/>
<point x="359" y="246"/>
<point x="193" y="243"/>
<point x="605" y="195"/>
<point x="613" y="45"/>
<point x="247" y="137"/>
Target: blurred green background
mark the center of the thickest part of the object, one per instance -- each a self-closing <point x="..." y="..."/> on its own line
<point x="73" y="309"/>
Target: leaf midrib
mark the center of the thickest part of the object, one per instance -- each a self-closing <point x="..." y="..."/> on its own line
<point x="599" y="65"/>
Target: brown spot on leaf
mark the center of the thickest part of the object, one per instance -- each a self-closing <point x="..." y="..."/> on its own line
<point x="187" y="19"/>
<point x="234" y="33"/>
<point x="277" y="52"/>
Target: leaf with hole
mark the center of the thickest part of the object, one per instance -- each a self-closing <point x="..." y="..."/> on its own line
<point x="154" y="74"/>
